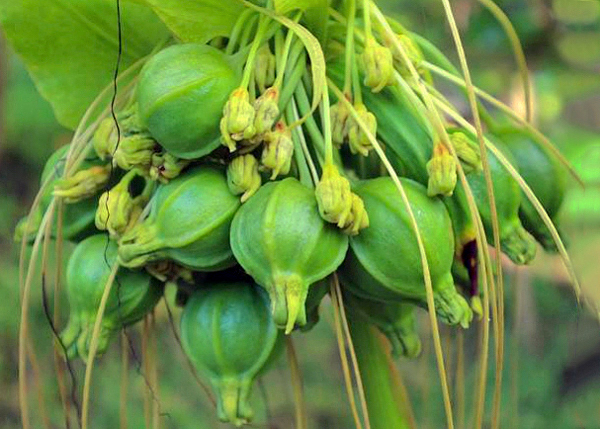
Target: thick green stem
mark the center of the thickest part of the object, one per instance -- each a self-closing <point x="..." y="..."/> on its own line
<point x="384" y="398"/>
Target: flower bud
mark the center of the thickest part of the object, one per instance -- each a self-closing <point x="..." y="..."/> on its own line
<point x="105" y="138"/>
<point x="357" y="138"/>
<point x="359" y="218"/>
<point x="165" y="166"/>
<point x="237" y="122"/>
<point x="412" y="52"/>
<point x="467" y="151"/>
<point x="334" y="197"/>
<point x="118" y="209"/>
<point x="83" y="184"/>
<point x="135" y="151"/>
<point x="264" y="67"/>
<point x="243" y="176"/>
<point x="267" y="111"/>
<point x="339" y="115"/>
<point x="378" y="65"/>
<point x="442" y="172"/>
<point x="278" y="150"/>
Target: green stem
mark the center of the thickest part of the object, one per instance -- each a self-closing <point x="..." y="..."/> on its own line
<point x="367" y="18"/>
<point x="384" y="398"/>
<point x="357" y="88"/>
<point x="237" y="29"/>
<point x="349" y="62"/>
<point x="301" y="161"/>
<point x="284" y="56"/>
<point x="258" y="40"/>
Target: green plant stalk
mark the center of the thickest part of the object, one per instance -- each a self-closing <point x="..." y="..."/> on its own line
<point x="384" y="399"/>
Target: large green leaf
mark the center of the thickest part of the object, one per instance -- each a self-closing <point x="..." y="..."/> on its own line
<point x="197" y="20"/>
<point x="70" y="46"/>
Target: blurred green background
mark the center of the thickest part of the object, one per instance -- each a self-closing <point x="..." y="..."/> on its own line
<point x="552" y="371"/>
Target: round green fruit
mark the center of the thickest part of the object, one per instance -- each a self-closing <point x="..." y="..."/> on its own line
<point x="132" y="295"/>
<point x="181" y="94"/>
<point x="228" y="333"/>
<point x="188" y="223"/>
<point x="384" y="262"/>
<point x="546" y="177"/>
<point x="280" y="239"/>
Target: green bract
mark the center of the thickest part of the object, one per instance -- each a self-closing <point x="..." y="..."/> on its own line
<point x="181" y="94"/>
<point x="188" y="223"/>
<point x="546" y="177"/>
<point x="280" y="239"/>
<point x="78" y="218"/>
<point x="396" y="320"/>
<point x="384" y="263"/>
<point x="133" y="294"/>
<point x="228" y="333"/>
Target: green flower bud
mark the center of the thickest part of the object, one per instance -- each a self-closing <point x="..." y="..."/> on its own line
<point x="135" y="151"/>
<point x="237" y="122"/>
<point x="264" y="68"/>
<point x="334" y="197"/>
<point x="359" y="218"/>
<point x="467" y="151"/>
<point x="278" y="151"/>
<point x="165" y="166"/>
<point x="105" y="138"/>
<point x="118" y="210"/>
<point x="21" y="229"/>
<point x="442" y="172"/>
<point x="243" y="176"/>
<point x="411" y="50"/>
<point x="378" y="65"/>
<point x="339" y="115"/>
<point x="267" y="111"/>
<point x="83" y="184"/>
<point x="357" y="138"/>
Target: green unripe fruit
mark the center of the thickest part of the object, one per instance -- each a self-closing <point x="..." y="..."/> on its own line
<point x="515" y="242"/>
<point x="280" y="239"/>
<point x="78" y="218"/>
<point x="546" y="177"/>
<point x="228" y="333"/>
<point x="396" y="320"/>
<point x="181" y="94"/>
<point x="188" y="223"/>
<point x="133" y="295"/>
<point x="384" y="263"/>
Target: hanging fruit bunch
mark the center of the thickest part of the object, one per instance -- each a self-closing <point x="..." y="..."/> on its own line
<point x="293" y="150"/>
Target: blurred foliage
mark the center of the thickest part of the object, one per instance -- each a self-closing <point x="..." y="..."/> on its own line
<point x="549" y="337"/>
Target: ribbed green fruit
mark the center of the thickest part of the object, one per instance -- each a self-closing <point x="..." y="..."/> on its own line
<point x="78" y="218"/>
<point x="410" y="146"/>
<point x="546" y="177"/>
<point x="384" y="262"/>
<point x="133" y="294"/>
<point x="396" y="320"/>
<point x="181" y="94"/>
<point x="280" y="239"/>
<point x="228" y="333"/>
<point x="188" y="223"/>
<point x="515" y="241"/>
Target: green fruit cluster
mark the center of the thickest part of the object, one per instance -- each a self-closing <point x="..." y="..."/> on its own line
<point x="221" y="176"/>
